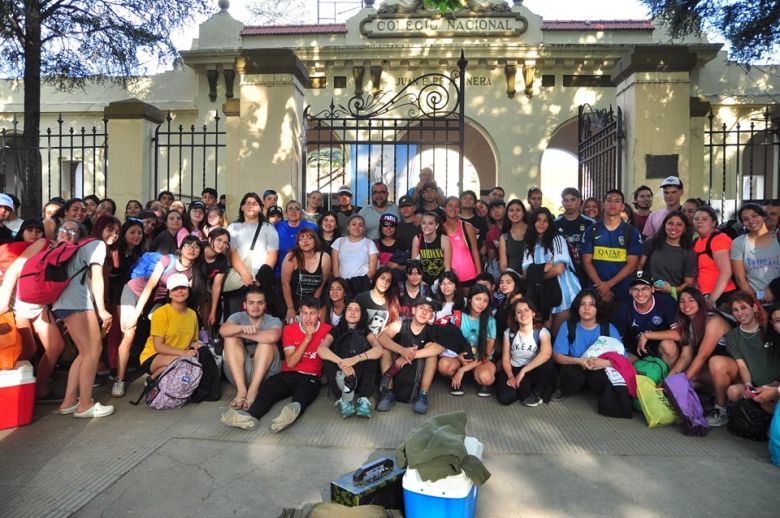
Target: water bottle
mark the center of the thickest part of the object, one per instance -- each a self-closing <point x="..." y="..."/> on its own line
<point x="473" y="341"/>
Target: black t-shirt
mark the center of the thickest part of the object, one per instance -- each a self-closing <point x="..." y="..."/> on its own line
<point x="480" y="226"/>
<point x="405" y="234"/>
<point x="210" y="270"/>
<point x="407" y="303"/>
<point x="378" y="315"/>
<point x="407" y="338"/>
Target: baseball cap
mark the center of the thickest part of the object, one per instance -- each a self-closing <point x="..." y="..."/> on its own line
<point x="641" y="277"/>
<point x="177" y="280"/>
<point x="6" y="201"/>
<point x="672" y="181"/>
<point x="425" y="300"/>
<point x="429" y="186"/>
<point x="197" y="204"/>
<point x="345" y="189"/>
<point x="405" y="201"/>
<point x="275" y="210"/>
<point x="388" y="218"/>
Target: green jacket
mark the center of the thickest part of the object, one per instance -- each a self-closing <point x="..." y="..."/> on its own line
<point x="436" y="450"/>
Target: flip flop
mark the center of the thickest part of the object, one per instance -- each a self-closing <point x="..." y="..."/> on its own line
<point x="238" y="402"/>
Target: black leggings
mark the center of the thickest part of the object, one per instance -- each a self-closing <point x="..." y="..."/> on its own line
<point x="541" y="380"/>
<point x="365" y="372"/>
<point x="302" y="387"/>
<point x="613" y="401"/>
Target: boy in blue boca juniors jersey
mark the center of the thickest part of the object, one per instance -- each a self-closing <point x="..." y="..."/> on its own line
<point x="610" y="251"/>
<point x="647" y="312"/>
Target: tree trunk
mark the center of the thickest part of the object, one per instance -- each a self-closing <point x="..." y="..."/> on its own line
<point x="30" y="152"/>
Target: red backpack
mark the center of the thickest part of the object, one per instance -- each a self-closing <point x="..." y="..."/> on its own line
<point x="45" y="275"/>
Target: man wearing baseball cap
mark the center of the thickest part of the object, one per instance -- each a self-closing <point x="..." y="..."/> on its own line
<point x="6" y="210"/>
<point x="410" y="359"/>
<point x="648" y="313"/>
<point x="345" y="209"/>
<point x="408" y="223"/>
<point x="672" y="187"/>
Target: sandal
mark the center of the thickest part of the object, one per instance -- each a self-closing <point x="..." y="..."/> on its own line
<point x="238" y="403"/>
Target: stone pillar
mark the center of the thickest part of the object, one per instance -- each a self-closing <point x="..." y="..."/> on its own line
<point x="265" y="134"/>
<point x="653" y="90"/>
<point x="131" y="125"/>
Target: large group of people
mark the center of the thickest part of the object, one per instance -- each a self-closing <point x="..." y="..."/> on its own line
<point x="498" y="297"/>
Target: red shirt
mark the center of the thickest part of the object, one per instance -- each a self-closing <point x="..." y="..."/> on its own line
<point x="310" y="363"/>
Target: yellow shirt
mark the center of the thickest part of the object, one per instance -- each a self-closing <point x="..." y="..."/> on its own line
<point x="176" y="329"/>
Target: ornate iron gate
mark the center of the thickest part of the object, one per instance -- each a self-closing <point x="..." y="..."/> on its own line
<point x="747" y="158"/>
<point x="366" y="140"/>
<point x="599" y="150"/>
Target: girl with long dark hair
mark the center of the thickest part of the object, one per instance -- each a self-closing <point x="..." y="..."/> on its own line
<point x="305" y="271"/>
<point x="527" y="372"/>
<point x="669" y="256"/>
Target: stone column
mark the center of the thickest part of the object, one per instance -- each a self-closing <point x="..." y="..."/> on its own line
<point x="131" y="125"/>
<point x="653" y="84"/>
<point x="265" y="139"/>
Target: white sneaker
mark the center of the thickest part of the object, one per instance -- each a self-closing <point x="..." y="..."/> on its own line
<point x="718" y="417"/>
<point x="238" y="419"/>
<point x="286" y="417"/>
<point x="118" y="390"/>
<point x="97" y="410"/>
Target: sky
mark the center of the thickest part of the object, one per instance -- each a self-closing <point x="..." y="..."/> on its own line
<point x="547" y="9"/>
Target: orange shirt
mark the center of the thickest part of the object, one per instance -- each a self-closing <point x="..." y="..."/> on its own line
<point x="708" y="270"/>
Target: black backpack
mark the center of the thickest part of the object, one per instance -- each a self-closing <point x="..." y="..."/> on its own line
<point x="747" y="419"/>
<point x="210" y="386"/>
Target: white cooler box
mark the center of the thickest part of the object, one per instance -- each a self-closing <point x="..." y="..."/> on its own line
<point x="451" y="497"/>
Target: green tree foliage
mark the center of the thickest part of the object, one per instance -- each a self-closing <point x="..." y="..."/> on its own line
<point x="752" y="27"/>
<point x="67" y="42"/>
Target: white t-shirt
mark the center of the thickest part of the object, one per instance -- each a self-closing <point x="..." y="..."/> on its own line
<point x="523" y="348"/>
<point x="241" y="236"/>
<point x="354" y="256"/>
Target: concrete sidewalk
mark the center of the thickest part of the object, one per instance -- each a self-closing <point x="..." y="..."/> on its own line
<point x="560" y="459"/>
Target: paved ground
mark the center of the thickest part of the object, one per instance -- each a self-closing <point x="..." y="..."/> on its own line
<point x="556" y="460"/>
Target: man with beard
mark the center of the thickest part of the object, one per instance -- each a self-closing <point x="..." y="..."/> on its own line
<point x="643" y="203"/>
<point x="379" y="205"/>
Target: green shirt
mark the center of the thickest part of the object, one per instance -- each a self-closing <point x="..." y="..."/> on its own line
<point x="762" y="358"/>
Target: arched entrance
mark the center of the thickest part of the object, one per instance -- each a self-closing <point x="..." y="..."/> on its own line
<point x="559" y="161"/>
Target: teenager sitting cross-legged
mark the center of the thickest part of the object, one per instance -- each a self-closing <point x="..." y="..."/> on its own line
<point x="251" y="353"/>
<point x="299" y="378"/>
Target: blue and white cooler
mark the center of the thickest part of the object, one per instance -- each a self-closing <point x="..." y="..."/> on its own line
<point x="451" y="497"/>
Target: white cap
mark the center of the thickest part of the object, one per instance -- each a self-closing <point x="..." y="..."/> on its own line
<point x="671" y="181"/>
<point x="177" y="280"/>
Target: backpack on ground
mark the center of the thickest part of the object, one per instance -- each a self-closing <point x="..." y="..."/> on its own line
<point x="210" y="386"/>
<point x="653" y="367"/>
<point x="683" y="397"/>
<point x="747" y="419"/>
<point x="44" y="276"/>
<point x="174" y="387"/>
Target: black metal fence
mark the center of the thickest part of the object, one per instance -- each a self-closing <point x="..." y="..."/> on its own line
<point x="74" y="161"/>
<point x="186" y="160"/>
<point x="599" y="150"/>
<point x="744" y="160"/>
<point x="365" y="141"/>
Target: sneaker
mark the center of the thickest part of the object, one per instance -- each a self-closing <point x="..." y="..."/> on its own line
<point x="363" y="407"/>
<point x="97" y="410"/>
<point x="119" y="389"/>
<point x="484" y="391"/>
<point x="286" y="417"/>
<point x="532" y="400"/>
<point x="457" y="391"/>
<point x="718" y="417"/>
<point x="346" y="407"/>
<point x="556" y="396"/>
<point x="238" y="419"/>
<point x="386" y="402"/>
<point x="421" y="403"/>
<point x="346" y="385"/>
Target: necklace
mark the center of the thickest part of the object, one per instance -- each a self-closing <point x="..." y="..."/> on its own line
<point x="748" y="333"/>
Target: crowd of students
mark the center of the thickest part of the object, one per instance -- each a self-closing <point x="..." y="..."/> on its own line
<point x="378" y="301"/>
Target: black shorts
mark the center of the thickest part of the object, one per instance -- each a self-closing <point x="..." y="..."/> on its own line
<point x="147" y="365"/>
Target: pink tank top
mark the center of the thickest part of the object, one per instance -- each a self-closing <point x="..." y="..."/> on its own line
<point x="462" y="260"/>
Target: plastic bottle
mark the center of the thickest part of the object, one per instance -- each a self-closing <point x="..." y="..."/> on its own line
<point x="473" y="341"/>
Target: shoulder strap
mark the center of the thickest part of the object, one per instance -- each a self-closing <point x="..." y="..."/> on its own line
<point x="254" y="239"/>
<point x="627" y="228"/>
<point x="457" y="315"/>
<point x="537" y="336"/>
<point x="604" y="328"/>
<point x="465" y="233"/>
